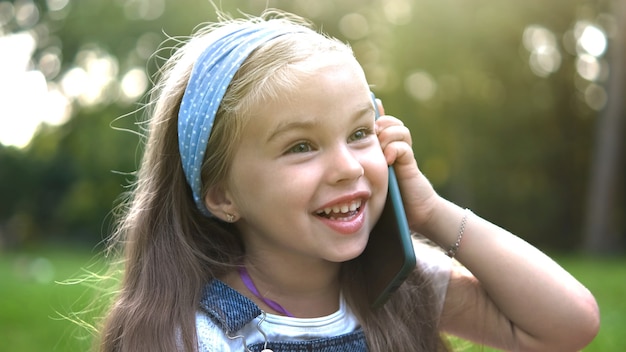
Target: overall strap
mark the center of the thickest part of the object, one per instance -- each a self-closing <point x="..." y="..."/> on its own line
<point x="229" y="309"/>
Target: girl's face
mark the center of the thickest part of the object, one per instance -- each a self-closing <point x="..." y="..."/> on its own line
<point x="309" y="179"/>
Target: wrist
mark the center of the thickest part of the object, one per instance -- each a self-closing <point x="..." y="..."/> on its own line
<point x="446" y="225"/>
<point x="454" y="248"/>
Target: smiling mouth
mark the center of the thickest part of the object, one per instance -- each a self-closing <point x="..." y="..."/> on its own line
<point x="341" y="211"/>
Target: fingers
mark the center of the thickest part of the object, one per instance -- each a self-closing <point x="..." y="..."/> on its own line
<point x="395" y="140"/>
<point x="390" y="129"/>
<point x="398" y="153"/>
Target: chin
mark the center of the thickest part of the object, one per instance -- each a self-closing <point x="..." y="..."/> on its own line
<point x="351" y="253"/>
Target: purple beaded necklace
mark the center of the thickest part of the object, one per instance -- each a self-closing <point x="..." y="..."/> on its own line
<point x="247" y="280"/>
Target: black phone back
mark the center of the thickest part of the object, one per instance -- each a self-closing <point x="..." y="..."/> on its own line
<point x="389" y="256"/>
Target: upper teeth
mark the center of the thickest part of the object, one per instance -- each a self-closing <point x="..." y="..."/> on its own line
<point x="342" y="208"/>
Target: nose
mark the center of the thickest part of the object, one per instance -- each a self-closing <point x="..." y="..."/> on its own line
<point x="344" y="165"/>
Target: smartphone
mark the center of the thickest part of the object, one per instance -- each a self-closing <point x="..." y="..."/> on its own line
<point x="389" y="257"/>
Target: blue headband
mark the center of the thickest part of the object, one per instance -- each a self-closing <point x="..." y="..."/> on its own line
<point x="211" y="75"/>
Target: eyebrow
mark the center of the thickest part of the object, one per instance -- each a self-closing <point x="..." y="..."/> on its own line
<point x="304" y="124"/>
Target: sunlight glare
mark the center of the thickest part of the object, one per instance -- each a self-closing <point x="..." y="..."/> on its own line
<point x="26" y="98"/>
<point x="592" y="40"/>
<point x="22" y="109"/>
<point x="89" y="82"/>
<point x="21" y="46"/>
<point x="59" y="105"/>
<point x="133" y="84"/>
<point x="73" y="82"/>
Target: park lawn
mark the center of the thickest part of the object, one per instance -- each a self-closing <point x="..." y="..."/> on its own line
<point x="39" y="300"/>
<point x="36" y="310"/>
<point x="606" y="278"/>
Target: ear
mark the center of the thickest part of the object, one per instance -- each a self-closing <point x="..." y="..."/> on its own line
<point x="220" y="203"/>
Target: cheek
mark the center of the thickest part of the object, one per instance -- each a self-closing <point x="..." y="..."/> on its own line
<point x="260" y="186"/>
<point x="377" y="169"/>
<point x="246" y="180"/>
<point x="377" y="173"/>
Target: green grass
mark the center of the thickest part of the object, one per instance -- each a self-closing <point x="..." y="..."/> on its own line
<point x="606" y="278"/>
<point x="36" y="312"/>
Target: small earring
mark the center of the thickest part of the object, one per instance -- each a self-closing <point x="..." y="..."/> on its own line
<point x="230" y="217"/>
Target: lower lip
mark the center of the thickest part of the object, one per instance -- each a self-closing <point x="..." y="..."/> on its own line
<point x="346" y="226"/>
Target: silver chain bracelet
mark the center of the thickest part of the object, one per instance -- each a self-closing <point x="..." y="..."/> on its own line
<point x="451" y="252"/>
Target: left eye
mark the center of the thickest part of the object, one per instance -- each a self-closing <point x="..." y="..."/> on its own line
<point x="301" y="147"/>
<point x="358" y="135"/>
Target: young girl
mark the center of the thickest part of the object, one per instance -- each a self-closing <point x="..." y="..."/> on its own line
<point x="264" y="173"/>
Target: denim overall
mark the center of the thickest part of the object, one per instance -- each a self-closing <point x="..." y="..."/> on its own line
<point x="231" y="311"/>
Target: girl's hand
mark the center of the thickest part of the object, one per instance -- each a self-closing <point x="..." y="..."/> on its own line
<point x="418" y="195"/>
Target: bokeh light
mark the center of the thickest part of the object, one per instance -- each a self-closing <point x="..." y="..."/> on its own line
<point x="590" y="45"/>
<point x="146" y="10"/>
<point x="6" y="13"/>
<point x="587" y="42"/>
<point x="595" y="96"/>
<point x="591" y="39"/>
<point x="26" y="14"/>
<point x="545" y="57"/>
<point x="97" y="77"/>
<point x="133" y="84"/>
<point x="34" y="71"/>
<point x="354" y="26"/>
<point x="420" y="86"/>
<point x="56" y="5"/>
<point x="588" y="67"/>
<point x="398" y="12"/>
<point x="92" y="80"/>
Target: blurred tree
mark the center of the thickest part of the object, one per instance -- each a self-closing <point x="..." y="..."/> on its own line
<point x="65" y="183"/>
<point x="494" y="135"/>
<point x="601" y="232"/>
<point x="489" y="89"/>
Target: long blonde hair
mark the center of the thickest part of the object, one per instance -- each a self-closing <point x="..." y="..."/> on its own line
<point x="170" y="250"/>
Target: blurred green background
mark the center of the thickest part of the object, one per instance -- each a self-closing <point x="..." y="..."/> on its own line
<point x="516" y="111"/>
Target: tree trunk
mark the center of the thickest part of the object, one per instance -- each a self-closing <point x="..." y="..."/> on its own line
<point x="601" y="236"/>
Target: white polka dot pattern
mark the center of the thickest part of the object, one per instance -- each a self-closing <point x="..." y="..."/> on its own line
<point x="207" y="84"/>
